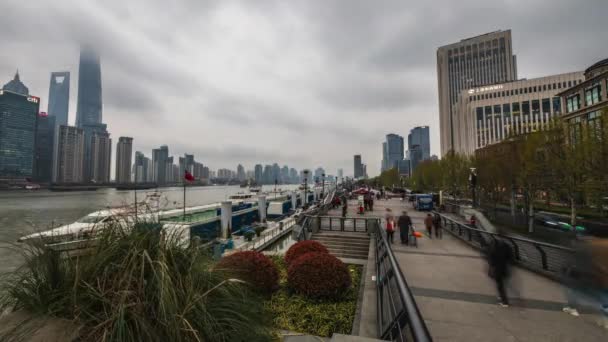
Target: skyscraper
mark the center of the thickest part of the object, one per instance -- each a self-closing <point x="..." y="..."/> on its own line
<point x="16" y="86"/>
<point x="259" y="173"/>
<point x="393" y="148"/>
<point x="69" y="155"/>
<point x="45" y="133"/>
<point x="358" y="167"/>
<point x="419" y="146"/>
<point x="142" y="168"/>
<point x="240" y="173"/>
<point x="18" y="119"/>
<point x="89" y="109"/>
<point x="267" y="175"/>
<point x="384" y="166"/>
<point x="124" y="151"/>
<point x="101" y="156"/>
<point x="59" y="97"/>
<point x="293" y="176"/>
<point x="481" y="60"/>
<point x="159" y="161"/>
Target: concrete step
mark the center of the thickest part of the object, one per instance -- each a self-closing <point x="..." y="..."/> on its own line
<point x="342" y="235"/>
<point x="349" y="255"/>
<point x="340" y="240"/>
<point x="337" y="243"/>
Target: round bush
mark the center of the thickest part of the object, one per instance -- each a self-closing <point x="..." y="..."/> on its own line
<point x="252" y="267"/>
<point x="318" y="275"/>
<point x="302" y="248"/>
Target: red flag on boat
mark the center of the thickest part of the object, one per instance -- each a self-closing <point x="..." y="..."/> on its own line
<point x="188" y="176"/>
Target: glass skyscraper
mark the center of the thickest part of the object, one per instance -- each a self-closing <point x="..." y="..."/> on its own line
<point x="418" y="145"/>
<point x="89" y="110"/>
<point x="59" y="97"/>
<point x="45" y="133"/>
<point x="393" y="151"/>
<point x="18" y="119"/>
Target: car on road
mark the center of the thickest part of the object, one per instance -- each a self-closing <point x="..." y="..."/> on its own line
<point x="556" y="221"/>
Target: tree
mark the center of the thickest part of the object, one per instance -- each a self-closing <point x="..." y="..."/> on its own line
<point x="529" y="173"/>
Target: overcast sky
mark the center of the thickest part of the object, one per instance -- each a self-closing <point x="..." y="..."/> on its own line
<point x="299" y="82"/>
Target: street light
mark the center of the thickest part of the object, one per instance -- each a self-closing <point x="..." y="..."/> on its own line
<point x="323" y="186"/>
<point x="305" y="188"/>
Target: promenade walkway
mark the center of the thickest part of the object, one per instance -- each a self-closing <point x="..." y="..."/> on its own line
<point x="459" y="301"/>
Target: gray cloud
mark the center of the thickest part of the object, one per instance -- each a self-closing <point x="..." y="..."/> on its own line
<point x="306" y="83"/>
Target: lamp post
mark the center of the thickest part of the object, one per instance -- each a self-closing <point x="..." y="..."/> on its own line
<point x="323" y="186"/>
<point x="305" y="199"/>
<point x="473" y="184"/>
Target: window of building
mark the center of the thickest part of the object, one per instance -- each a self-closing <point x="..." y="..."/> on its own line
<point x="525" y="90"/>
<point x="516" y="91"/>
<point x="529" y="89"/>
<point x="573" y="103"/>
<point x="593" y="94"/>
<point x="569" y="84"/>
<point x="534" y="89"/>
<point x="557" y="105"/>
<point x="546" y="104"/>
<point x="575" y="129"/>
<point x="563" y="84"/>
<point x="559" y="85"/>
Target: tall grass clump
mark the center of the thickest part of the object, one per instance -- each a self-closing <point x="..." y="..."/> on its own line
<point x="134" y="284"/>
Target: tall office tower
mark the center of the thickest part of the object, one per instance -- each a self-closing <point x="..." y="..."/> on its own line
<point x="16" y="86"/>
<point x="159" y="161"/>
<point x="124" y="153"/>
<point x="293" y="176"/>
<point x="394" y="151"/>
<point x="169" y="176"/>
<point x="140" y="169"/>
<point x="419" y="146"/>
<point x="69" y="155"/>
<point x="358" y="169"/>
<point x="258" y="171"/>
<point x="101" y="156"/>
<point x="59" y="97"/>
<point x="383" y="167"/>
<point x="340" y="174"/>
<point x="284" y="174"/>
<point x="18" y="119"/>
<point x="267" y="175"/>
<point x="89" y="108"/>
<point x="45" y="133"/>
<point x="481" y="60"/>
<point x="240" y="173"/>
<point x="276" y="173"/>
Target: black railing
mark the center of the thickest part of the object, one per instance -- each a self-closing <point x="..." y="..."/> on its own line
<point x="343" y="224"/>
<point x="398" y="316"/>
<point x="545" y="258"/>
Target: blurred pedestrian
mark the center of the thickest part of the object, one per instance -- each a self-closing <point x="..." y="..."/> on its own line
<point x="405" y="226"/>
<point x="390" y="224"/>
<point x="428" y="223"/>
<point x="437" y="226"/>
<point x="500" y="257"/>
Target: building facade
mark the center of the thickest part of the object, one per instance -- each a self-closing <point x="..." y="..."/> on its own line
<point x="89" y="107"/>
<point x="489" y="114"/>
<point x="393" y="151"/>
<point x="472" y="62"/>
<point x="18" y="121"/>
<point x="359" y="171"/>
<point x="585" y="102"/>
<point x="16" y="86"/>
<point x="258" y="171"/>
<point x="45" y="135"/>
<point x="124" y="154"/>
<point x="59" y="97"/>
<point x="159" y="161"/>
<point x="69" y="155"/>
<point x="101" y="157"/>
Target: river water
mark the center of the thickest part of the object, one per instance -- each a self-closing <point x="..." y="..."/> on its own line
<point x="23" y="213"/>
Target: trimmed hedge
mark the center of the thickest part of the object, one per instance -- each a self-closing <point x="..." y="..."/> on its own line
<point x="318" y="275"/>
<point x="252" y="267"/>
<point x="303" y="247"/>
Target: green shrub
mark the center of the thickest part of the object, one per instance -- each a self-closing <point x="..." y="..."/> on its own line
<point x="135" y="286"/>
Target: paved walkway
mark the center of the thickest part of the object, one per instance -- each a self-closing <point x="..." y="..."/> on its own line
<point x="459" y="301"/>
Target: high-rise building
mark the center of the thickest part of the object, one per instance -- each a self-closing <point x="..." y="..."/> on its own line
<point x="124" y="152"/>
<point x="170" y="177"/>
<point x="392" y="151"/>
<point x="140" y="169"/>
<point x="18" y="119"/>
<point x="276" y="174"/>
<point x="267" y="175"/>
<point x="240" y="173"/>
<point x="284" y="174"/>
<point x="249" y="174"/>
<point x="59" y="97"/>
<point x="101" y="157"/>
<point x="16" y="86"/>
<point x="258" y="171"/>
<point x="340" y="174"/>
<point x="487" y="115"/>
<point x="319" y="172"/>
<point x="358" y="167"/>
<point x="419" y="146"/>
<point x="404" y="167"/>
<point x="45" y="133"/>
<point x="384" y="166"/>
<point x="293" y="176"/>
<point x="69" y="155"/>
<point x="89" y="108"/>
<point x="159" y="161"/>
<point x="472" y="62"/>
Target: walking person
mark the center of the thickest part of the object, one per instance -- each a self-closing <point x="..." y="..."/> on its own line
<point x="437" y="226"/>
<point x="428" y="223"/>
<point x="390" y="225"/>
<point x="405" y="226"/>
<point x="500" y="257"/>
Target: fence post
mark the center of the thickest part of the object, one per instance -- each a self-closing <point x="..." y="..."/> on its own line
<point x="516" y="249"/>
<point x="543" y="257"/>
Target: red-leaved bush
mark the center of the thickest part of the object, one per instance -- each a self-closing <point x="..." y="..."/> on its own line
<point x="318" y="275"/>
<point x="303" y="247"/>
<point x="253" y="267"/>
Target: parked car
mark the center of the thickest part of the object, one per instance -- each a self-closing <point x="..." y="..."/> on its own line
<point x="555" y="221"/>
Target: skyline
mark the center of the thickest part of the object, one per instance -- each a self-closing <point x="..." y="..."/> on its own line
<point x="254" y="93"/>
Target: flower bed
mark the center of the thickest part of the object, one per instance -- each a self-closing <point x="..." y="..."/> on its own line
<point x="298" y="313"/>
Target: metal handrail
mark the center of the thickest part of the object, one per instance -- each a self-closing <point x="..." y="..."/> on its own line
<point x="399" y="318"/>
<point x="546" y="258"/>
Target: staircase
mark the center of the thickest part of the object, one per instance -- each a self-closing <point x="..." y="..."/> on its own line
<point x="347" y="245"/>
